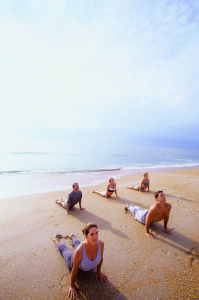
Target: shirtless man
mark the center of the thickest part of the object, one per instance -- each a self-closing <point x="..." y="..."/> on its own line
<point x="73" y="198"/>
<point x="157" y="212"/>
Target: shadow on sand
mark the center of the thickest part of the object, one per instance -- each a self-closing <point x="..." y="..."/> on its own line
<point x="170" y="196"/>
<point x="90" y="288"/>
<point x="179" y="198"/>
<point x="86" y="216"/>
<point x="176" y="240"/>
<point x="125" y="201"/>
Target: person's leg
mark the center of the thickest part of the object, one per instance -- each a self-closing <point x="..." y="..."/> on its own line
<point x="76" y="242"/>
<point x="64" y="204"/>
<point x="66" y="253"/>
<point x="60" y="202"/>
<point x="138" y="213"/>
<point x="133" y="209"/>
<point x="100" y="192"/>
<point x="132" y="187"/>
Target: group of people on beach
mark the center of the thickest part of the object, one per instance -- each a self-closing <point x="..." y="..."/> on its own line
<point x="89" y="254"/>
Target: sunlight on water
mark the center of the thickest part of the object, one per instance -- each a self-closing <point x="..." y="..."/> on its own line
<point x="30" y="166"/>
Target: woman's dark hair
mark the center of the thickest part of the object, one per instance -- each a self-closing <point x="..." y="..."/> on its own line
<point x="88" y="226"/>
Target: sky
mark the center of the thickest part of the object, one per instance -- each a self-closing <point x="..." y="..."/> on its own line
<point x="115" y="71"/>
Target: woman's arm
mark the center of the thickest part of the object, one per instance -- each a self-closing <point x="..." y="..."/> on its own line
<point x="99" y="274"/>
<point x="76" y="261"/>
<point x="141" y="185"/>
<point x="116" y="191"/>
<point x="148" y="186"/>
<point x="107" y="190"/>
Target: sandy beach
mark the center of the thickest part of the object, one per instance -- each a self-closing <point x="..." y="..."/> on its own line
<point x="137" y="267"/>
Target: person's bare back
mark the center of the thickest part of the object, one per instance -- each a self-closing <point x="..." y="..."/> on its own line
<point x="157" y="212"/>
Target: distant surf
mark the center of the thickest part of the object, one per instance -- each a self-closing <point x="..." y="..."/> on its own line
<point x="41" y="165"/>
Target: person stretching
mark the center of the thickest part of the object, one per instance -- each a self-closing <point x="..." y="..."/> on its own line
<point x="157" y="212"/>
<point x="144" y="184"/>
<point x="86" y="255"/>
<point x="73" y="198"/>
<point x="111" y="188"/>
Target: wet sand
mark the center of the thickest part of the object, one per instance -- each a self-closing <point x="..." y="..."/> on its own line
<point x="137" y="267"/>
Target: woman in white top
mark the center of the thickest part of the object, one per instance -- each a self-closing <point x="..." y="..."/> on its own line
<point x="111" y="188"/>
<point x="86" y="256"/>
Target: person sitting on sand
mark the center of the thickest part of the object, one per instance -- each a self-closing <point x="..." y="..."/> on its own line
<point x="86" y="255"/>
<point x="73" y="198"/>
<point x="157" y="212"/>
<point x="111" y="188"/>
<point x="144" y="184"/>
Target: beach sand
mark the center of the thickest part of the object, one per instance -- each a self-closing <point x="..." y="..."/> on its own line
<point x="137" y="267"/>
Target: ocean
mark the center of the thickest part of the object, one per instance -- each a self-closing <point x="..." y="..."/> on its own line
<point x="30" y="166"/>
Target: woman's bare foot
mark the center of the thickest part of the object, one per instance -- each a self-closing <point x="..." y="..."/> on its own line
<point x="126" y="206"/>
<point x="56" y="240"/>
<point x="71" y="236"/>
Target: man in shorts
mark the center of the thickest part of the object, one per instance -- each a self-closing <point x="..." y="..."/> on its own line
<point x="74" y="197"/>
<point x="157" y="212"/>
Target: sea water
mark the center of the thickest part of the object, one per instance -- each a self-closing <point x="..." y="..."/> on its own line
<point x="29" y="166"/>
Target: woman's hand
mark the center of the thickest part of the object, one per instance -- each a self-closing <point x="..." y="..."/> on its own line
<point x="72" y="292"/>
<point x="101" y="276"/>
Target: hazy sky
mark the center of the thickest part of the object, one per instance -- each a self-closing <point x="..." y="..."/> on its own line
<point x="118" y="70"/>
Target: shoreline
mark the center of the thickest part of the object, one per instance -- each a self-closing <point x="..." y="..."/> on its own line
<point x="136" y="266"/>
<point x="82" y="178"/>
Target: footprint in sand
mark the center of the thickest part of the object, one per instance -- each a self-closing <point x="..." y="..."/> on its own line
<point x="193" y="252"/>
<point x="64" y="283"/>
<point x="49" y="217"/>
<point x="194" y="256"/>
<point x="166" y="252"/>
